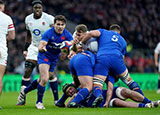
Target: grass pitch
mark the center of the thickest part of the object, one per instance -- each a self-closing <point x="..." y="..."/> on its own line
<point x="8" y="103"/>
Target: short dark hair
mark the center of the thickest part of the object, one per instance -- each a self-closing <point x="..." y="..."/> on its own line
<point x="1" y="2"/>
<point x="36" y="2"/>
<point x="60" y="17"/>
<point x="81" y="28"/>
<point x="115" y="27"/>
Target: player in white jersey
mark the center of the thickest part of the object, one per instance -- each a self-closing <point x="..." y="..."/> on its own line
<point x="157" y="64"/>
<point x="7" y="32"/>
<point x="36" y="24"/>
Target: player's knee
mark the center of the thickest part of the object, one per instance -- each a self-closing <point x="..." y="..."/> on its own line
<point x="126" y="92"/>
<point x="120" y="93"/>
<point x="29" y="64"/>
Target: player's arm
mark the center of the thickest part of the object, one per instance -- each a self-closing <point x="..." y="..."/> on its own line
<point x="109" y="93"/>
<point x="70" y="100"/>
<point x="87" y="36"/>
<point x="42" y="46"/>
<point x="27" y="43"/>
<point x="11" y="35"/>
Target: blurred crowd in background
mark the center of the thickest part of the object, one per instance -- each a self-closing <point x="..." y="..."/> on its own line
<point x="139" y="21"/>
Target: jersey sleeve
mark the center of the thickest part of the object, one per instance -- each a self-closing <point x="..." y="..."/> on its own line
<point x="26" y="23"/>
<point x="10" y="24"/>
<point x="157" y="49"/>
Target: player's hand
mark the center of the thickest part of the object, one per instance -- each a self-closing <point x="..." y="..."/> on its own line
<point x="156" y="63"/>
<point x="76" y="40"/>
<point x="43" y="49"/>
<point x="106" y="105"/>
<point x="71" y="54"/>
<point x="25" y="54"/>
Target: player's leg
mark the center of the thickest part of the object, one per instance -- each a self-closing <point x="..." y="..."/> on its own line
<point x="2" y="71"/>
<point x="54" y="86"/>
<point x="125" y="77"/>
<point x="124" y="93"/>
<point x="44" y="76"/>
<point x="158" y="90"/>
<point x="26" y="79"/>
<point x="86" y="83"/>
<point x="116" y="102"/>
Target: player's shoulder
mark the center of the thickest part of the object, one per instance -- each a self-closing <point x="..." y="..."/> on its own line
<point x="29" y="17"/>
<point x="5" y="15"/>
<point x="45" y="15"/>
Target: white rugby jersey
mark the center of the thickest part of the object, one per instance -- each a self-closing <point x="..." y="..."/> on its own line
<point x="6" y="24"/>
<point x="91" y="44"/>
<point x="38" y="26"/>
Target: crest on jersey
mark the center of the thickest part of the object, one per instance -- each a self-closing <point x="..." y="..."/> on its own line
<point x="52" y="37"/>
<point x="63" y="38"/>
<point x="43" y="23"/>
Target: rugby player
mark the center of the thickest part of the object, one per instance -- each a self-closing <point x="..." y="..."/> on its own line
<point x="7" y="33"/>
<point x="36" y="24"/>
<point x="49" y="51"/>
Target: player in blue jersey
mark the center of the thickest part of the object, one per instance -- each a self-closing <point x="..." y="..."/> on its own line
<point x="111" y="51"/>
<point x="49" y="52"/>
<point x="120" y="94"/>
<point x="81" y="67"/>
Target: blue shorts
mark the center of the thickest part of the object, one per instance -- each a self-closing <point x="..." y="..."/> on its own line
<point x="80" y="65"/>
<point x="42" y="59"/>
<point x="112" y="63"/>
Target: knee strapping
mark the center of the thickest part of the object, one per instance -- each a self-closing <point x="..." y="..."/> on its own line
<point x="98" y="81"/>
<point x="29" y="64"/>
<point x="126" y="79"/>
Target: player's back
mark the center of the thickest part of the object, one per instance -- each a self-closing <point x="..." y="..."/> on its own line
<point x="111" y="42"/>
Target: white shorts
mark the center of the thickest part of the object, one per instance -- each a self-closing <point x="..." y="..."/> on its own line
<point x="3" y="58"/>
<point x="32" y="52"/>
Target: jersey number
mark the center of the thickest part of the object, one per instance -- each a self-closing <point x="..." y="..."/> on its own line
<point x="114" y="38"/>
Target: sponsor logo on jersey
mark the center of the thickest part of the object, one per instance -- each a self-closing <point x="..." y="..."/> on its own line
<point x="36" y="32"/>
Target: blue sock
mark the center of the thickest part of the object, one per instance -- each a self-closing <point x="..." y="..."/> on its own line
<point x="54" y="87"/>
<point x="146" y="100"/>
<point x="81" y="95"/>
<point x="141" y="105"/>
<point x="40" y="93"/>
<point x="97" y="91"/>
<point x="26" y="82"/>
<point x="159" y="83"/>
<point x="31" y="87"/>
<point x="134" y="86"/>
<point x="63" y="98"/>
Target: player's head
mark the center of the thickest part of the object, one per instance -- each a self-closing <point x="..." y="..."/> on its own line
<point x="69" y="89"/>
<point x="81" y="29"/>
<point x="115" y="27"/>
<point x="59" y="24"/>
<point x="1" y="5"/>
<point x="37" y="8"/>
